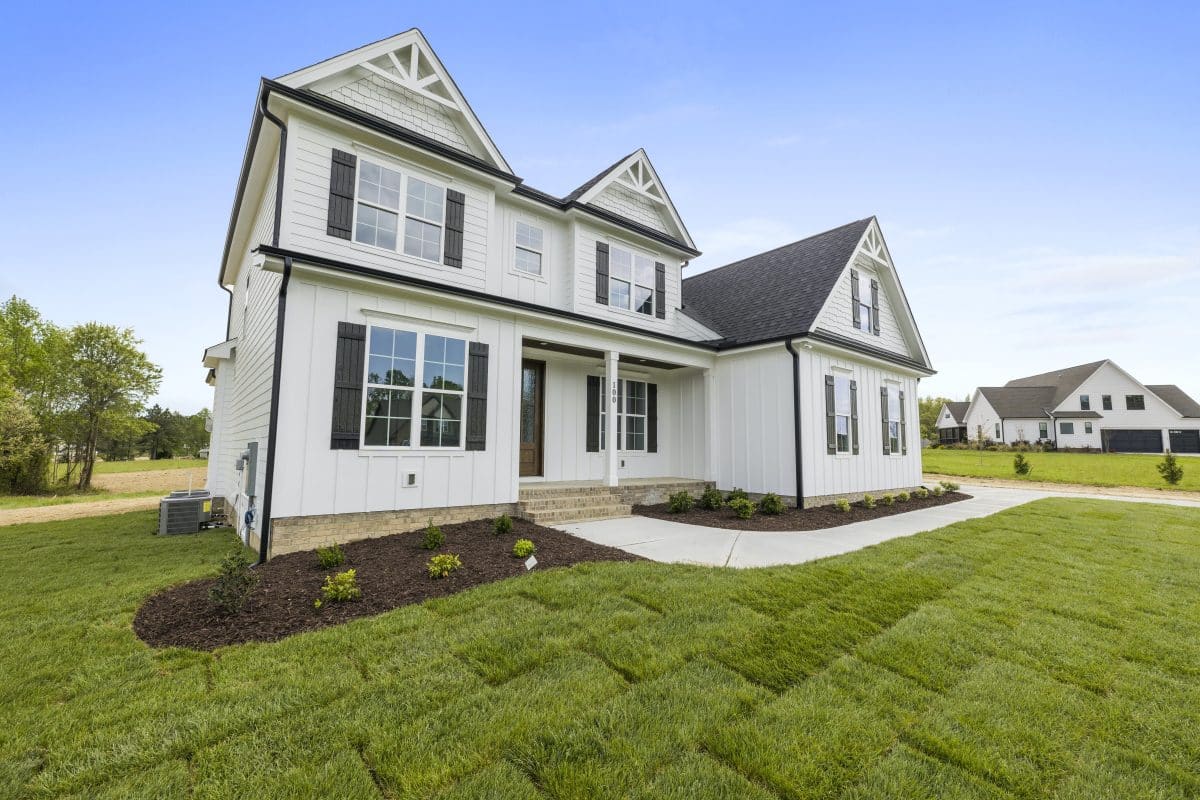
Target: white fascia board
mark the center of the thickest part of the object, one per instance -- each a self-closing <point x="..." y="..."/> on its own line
<point x="620" y="169"/>
<point x="219" y="352"/>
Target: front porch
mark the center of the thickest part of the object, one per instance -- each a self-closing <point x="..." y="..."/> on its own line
<point x="559" y="502"/>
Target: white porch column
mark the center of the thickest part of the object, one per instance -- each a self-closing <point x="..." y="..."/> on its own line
<point x="611" y="443"/>
<point x="710" y="425"/>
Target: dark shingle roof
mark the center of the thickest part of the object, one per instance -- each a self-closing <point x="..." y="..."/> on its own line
<point x="1177" y="399"/>
<point x="1076" y="415"/>
<point x="1019" y="402"/>
<point x="583" y="188"/>
<point x="958" y="411"/>
<point x="1063" y="381"/>
<point x="775" y="294"/>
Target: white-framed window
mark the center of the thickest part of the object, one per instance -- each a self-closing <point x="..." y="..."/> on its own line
<point x="1135" y="402"/>
<point x="1087" y="427"/>
<point x="864" y="315"/>
<point x="529" y="240"/>
<point x="1043" y="430"/>
<point x="842" y="412"/>
<point x="1085" y="402"/>
<point x="377" y="211"/>
<point x="414" y="373"/>
<point x="631" y="417"/>
<point x="630" y="280"/>
<point x="997" y="429"/>
<point x="1066" y="427"/>
<point x="893" y="416"/>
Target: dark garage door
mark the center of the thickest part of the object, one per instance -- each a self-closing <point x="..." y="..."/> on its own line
<point x="1127" y="441"/>
<point x="1185" y="441"/>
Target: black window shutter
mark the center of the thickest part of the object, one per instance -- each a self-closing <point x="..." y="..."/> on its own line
<point x="883" y="407"/>
<point x="830" y="417"/>
<point x="602" y="273"/>
<point x="903" y="428"/>
<point x="477" y="396"/>
<point x="348" y="386"/>
<point x="341" y="194"/>
<point x="660" y="290"/>
<point x="651" y="417"/>
<point x="456" y="203"/>
<point x="593" y="414"/>
<point x="854" y="415"/>
<point x="855" y="311"/>
<point x="875" y="306"/>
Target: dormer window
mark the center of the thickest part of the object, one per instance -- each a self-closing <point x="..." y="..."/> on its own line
<point x="631" y="281"/>
<point x="529" y="249"/>
<point x="864" y="317"/>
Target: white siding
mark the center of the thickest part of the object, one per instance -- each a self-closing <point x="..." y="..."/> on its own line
<point x="838" y="315"/>
<point x="981" y="414"/>
<point x="1110" y="380"/>
<point x="553" y="286"/>
<point x="585" y="282"/>
<point x="631" y="205"/>
<point x="754" y="422"/>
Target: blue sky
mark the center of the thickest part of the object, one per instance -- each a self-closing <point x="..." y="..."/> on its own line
<point x="1035" y="168"/>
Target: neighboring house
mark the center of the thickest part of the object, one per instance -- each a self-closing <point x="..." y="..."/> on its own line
<point x="416" y="334"/>
<point x="951" y="424"/>
<point x="1096" y="406"/>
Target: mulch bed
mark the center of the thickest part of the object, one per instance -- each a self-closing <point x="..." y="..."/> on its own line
<point x="792" y="519"/>
<point x="391" y="572"/>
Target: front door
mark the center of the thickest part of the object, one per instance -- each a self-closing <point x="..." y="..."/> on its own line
<point x="533" y="374"/>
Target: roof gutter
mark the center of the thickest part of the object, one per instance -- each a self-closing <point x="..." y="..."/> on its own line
<point x="796" y="423"/>
<point x="264" y="530"/>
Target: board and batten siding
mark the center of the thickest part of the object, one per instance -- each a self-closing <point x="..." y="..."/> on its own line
<point x="681" y="424"/>
<point x="553" y="286"/>
<point x="246" y="393"/>
<point x="313" y="479"/>
<point x="754" y="423"/>
<point x="305" y="228"/>
<point x="837" y="316"/>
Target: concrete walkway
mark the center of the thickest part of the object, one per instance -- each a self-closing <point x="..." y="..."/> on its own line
<point x="680" y="543"/>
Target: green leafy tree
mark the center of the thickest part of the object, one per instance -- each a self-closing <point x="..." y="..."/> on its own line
<point x="23" y="454"/>
<point x="109" y="381"/>
<point x="928" y="408"/>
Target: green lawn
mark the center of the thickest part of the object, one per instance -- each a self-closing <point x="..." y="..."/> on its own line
<point x="1094" y="469"/>
<point x="146" y="465"/>
<point x="1049" y="651"/>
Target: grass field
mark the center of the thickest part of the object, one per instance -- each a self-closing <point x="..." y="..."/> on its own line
<point x="40" y="501"/>
<point x="146" y="465"/>
<point x="1093" y="469"/>
<point x="1052" y="650"/>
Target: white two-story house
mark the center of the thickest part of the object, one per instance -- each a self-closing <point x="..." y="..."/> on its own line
<point x="1096" y="406"/>
<point x="414" y="333"/>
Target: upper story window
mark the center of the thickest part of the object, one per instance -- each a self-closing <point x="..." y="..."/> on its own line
<point x="842" y="412"/>
<point x="377" y="211"/>
<point x="1085" y="402"/>
<point x="529" y="249"/>
<point x="1135" y="402"/>
<point x="630" y="281"/>
<point x="1106" y="402"/>
<point x="864" y="315"/>
<point x="408" y="371"/>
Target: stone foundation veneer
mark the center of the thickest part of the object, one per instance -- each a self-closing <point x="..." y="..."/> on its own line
<point x="293" y="534"/>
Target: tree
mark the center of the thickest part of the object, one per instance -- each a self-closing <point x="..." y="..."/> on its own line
<point x="1170" y="470"/>
<point x="108" y="382"/>
<point x="928" y="408"/>
<point x="23" y="454"/>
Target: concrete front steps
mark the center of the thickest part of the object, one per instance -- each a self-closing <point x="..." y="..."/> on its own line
<point x="560" y="503"/>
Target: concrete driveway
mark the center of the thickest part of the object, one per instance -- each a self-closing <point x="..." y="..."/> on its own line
<point x="679" y="543"/>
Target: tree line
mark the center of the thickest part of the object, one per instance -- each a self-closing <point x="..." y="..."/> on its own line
<point x="69" y="395"/>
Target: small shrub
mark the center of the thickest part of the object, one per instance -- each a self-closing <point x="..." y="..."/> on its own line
<point x="937" y="491"/>
<point x="1021" y="464"/>
<point x="736" y="494"/>
<point x="889" y="499"/>
<point x="1170" y="470"/>
<point x="743" y="507"/>
<point x="235" y="582"/>
<point x="920" y="493"/>
<point x="711" y="499"/>
<point x="868" y="501"/>
<point x="949" y="486"/>
<point x="443" y="564"/>
<point x="680" y="502"/>
<point x="434" y="538"/>
<point x="903" y="497"/>
<point x="842" y="505"/>
<point x="502" y="525"/>
<point x="771" y="503"/>
<point x="340" y="588"/>
<point x="330" y="557"/>
<point x="523" y="548"/>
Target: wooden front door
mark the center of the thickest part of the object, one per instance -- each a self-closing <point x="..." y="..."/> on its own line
<point x="533" y="377"/>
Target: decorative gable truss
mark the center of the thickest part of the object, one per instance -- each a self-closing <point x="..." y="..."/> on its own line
<point x="401" y="80"/>
<point x="631" y="188"/>
<point x="870" y="284"/>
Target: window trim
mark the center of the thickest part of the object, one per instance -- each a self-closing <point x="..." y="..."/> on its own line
<point x="541" y="254"/>
<point x="865" y="312"/>
<point x="1043" y="430"/>
<point x="1106" y="402"/>
<point x="622" y="414"/>
<point x="401" y="212"/>
<point x="848" y="377"/>
<point x="417" y="389"/>
<point x="634" y="252"/>
<point x="1085" y="402"/>
<point x="1141" y="400"/>
<point x="1087" y="427"/>
<point x="898" y="450"/>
